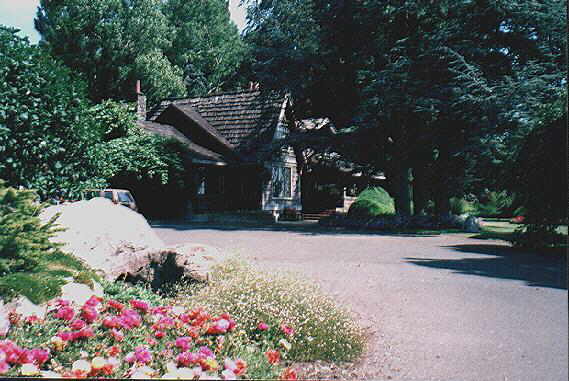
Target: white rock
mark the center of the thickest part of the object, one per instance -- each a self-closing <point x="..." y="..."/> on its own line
<point x="79" y="293"/>
<point x="25" y="308"/>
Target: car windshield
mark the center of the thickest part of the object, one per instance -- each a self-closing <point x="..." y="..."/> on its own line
<point x="125" y="197"/>
<point x="108" y="194"/>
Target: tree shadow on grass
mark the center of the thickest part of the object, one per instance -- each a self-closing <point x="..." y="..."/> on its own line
<point x="546" y="268"/>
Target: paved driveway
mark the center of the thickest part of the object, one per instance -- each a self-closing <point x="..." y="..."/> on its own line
<point x="442" y="307"/>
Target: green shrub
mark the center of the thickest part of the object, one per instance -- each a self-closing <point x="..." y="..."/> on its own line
<point x="460" y="206"/>
<point x="538" y="236"/>
<point x="24" y="239"/>
<point x="372" y="202"/>
<point x="322" y="330"/>
<point x="496" y="204"/>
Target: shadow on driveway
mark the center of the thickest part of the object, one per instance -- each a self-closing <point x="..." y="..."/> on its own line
<point x="544" y="269"/>
<point x="305" y="228"/>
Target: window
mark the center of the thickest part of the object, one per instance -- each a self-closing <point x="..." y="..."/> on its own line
<point x="282" y="179"/>
<point x="108" y="194"/>
<point x="201" y="187"/>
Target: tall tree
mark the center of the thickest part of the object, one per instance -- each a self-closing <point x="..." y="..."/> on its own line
<point x="44" y="136"/>
<point x="111" y="43"/>
<point x="206" y="44"/>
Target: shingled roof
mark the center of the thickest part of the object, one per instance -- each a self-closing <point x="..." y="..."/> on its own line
<point x="195" y="150"/>
<point x="245" y="119"/>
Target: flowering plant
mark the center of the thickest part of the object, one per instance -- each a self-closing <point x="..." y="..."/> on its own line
<point x="106" y="338"/>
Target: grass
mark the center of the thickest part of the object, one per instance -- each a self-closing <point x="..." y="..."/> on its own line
<point x="502" y="228"/>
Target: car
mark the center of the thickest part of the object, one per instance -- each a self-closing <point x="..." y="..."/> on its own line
<point x="118" y="196"/>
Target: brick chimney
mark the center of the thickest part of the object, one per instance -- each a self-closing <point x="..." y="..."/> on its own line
<point x="140" y="103"/>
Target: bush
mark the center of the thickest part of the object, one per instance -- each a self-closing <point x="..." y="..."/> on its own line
<point x="23" y="237"/>
<point x="460" y="206"/>
<point x="372" y="202"/>
<point x="30" y="264"/>
<point x="495" y="204"/>
<point x="538" y="236"/>
<point x="322" y="331"/>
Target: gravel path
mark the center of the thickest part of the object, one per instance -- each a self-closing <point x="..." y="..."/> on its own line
<point x="442" y="307"/>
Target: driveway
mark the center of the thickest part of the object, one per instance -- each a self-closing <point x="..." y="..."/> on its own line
<point x="443" y="307"/>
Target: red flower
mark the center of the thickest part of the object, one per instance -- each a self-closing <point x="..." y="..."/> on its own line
<point x="114" y="350"/>
<point x="65" y="313"/>
<point x="117" y="335"/>
<point x="159" y="334"/>
<point x="140" y="305"/>
<point x="142" y="355"/>
<point x="32" y="319"/>
<point x="129" y="319"/>
<point x="89" y="314"/>
<point x="111" y="322"/>
<point x="77" y="324"/>
<point x="288" y="374"/>
<point x="241" y="367"/>
<point x="115" y="305"/>
<point x="273" y="356"/>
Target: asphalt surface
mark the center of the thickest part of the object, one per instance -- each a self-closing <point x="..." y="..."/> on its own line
<point x="443" y="307"/>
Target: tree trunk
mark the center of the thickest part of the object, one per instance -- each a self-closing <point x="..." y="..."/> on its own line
<point x="403" y="190"/>
<point x="421" y="192"/>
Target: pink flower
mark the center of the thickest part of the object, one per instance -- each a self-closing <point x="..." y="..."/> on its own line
<point x="143" y="355"/>
<point x="206" y="352"/>
<point x="93" y="301"/>
<point x="160" y="310"/>
<point x="140" y="305"/>
<point x="129" y="319"/>
<point x="77" y="324"/>
<point x="287" y="330"/>
<point x="164" y="323"/>
<point x="130" y="357"/>
<point x="40" y="355"/>
<point x="187" y="358"/>
<point x="262" y="326"/>
<point x="4" y="367"/>
<point x="65" y="313"/>
<point x="85" y="333"/>
<point x="184" y="343"/>
<point x="62" y="302"/>
<point x="117" y="335"/>
<point x="89" y="314"/>
<point x="65" y="336"/>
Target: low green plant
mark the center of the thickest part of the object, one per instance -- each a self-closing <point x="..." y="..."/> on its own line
<point x="459" y="206"/>
<point x="538" y="236"/>
<point x="372" y="202"/>
<point x="322" y="331"/>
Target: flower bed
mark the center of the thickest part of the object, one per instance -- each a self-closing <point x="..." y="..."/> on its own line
<point x="107" y="338"/>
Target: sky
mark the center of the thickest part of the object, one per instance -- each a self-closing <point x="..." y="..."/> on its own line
<point x="20" y="14"/>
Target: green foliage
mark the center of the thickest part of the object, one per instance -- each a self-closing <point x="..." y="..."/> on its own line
<point x="494" y="204"/>
<point x="24" y="239"/>
<point x="30" y="264"/>
<point x="206" y="44"/>
<point x="538" y="236"/>
<point x="124" y="292"/>
<point x="372" y="202"/>
<point x="460" y="206"/>
<point x="153" y="168"/>
<point x="110" y="42"/>
<point x="322" y="331"/>
<point x="43" y="138"/>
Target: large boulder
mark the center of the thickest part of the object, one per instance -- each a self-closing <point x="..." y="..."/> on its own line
<point x="121" y="244"/>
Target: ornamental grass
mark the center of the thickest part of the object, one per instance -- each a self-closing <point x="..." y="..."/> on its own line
<point x="268" y="305"/>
